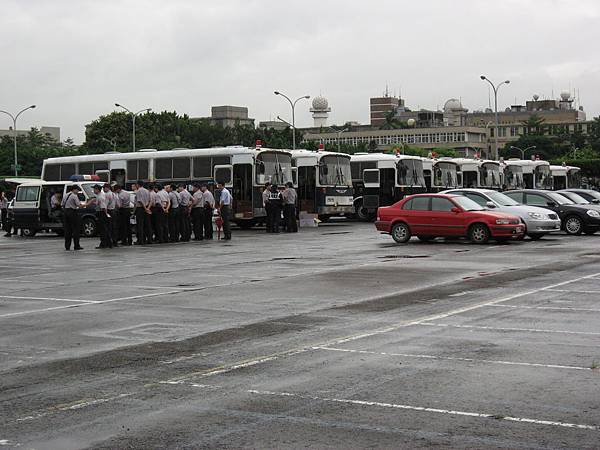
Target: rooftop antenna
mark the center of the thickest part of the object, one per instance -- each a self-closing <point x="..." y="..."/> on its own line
<point x="387" y="93"/>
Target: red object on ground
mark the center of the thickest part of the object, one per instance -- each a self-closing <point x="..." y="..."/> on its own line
<point x="219" y="224"/>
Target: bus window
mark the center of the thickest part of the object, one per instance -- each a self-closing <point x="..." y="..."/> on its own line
<point x="28" y="193"/>
<point x="181" y="168"/>
<point x="66" y="171"/>
<point x="137" y="170"/>
<point x="143" y="169"/>
<point x="223" y="175"/>
<point x="202" y="167"/>
<point x="52" y="172"/>
<point x="163" y="168"/>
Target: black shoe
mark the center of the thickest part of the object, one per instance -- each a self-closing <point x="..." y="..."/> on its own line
<point x="101" y="246"/>
<point x="68" y="249"/>
<point x="78" y="248"/>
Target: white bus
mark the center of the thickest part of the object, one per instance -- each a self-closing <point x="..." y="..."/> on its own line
<point x="324" y="183"/>
<point x="529" y="174"/>
<point x="477" y="173"/>
<point x="381" y="179"/>
<point x="565" y="177"/>
<point x="243" y="170"/>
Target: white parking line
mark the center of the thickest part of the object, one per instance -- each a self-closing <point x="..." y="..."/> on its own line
<point x="531" y="330"/>
<point x="450" y="358"/>
<point x="570" y="291"/>
<point x="428" y="409"/>
<point x="558" y="308"/>
<point x="48" y="299"/>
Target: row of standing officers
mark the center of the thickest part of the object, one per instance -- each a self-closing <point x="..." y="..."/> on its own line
<point x="163" y="214"/>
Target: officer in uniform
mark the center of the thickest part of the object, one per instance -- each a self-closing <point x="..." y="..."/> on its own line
<point x="198" y="213"/>
<point x="142" y="214"/>
<point x="265" y="199"/>
<point x="289" y="208"/>
<point x="123" y="215"/>
<point x="173" y="213"/>
<point x="185" y="203"/>
<point x="163" y="218"/>
<point x="111" y="208"/>
<point x="72" y="220"/>
<point x="100" y="203"/>
<point x="276" y="202"/>
<point x="208" y="200"/>
<point x="225" y="202"/>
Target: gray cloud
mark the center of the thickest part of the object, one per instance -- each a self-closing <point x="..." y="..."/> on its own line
<point x="76" y="58"/>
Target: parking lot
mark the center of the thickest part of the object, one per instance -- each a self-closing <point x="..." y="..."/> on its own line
<point x="330" y="338"/>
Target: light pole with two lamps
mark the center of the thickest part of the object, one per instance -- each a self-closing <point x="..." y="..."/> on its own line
<point x="14" y="119"/>
<point x="293" y="105"/>
<point x="133" y="116"/>
<point x="522" y="150"/>
<point x="495" y="88"/>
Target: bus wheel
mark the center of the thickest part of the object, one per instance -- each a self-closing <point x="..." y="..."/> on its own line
<point x="29" y="232"/>
<point x="363" y="213"/>
<point x="247" y="224"/>
<point x="88" y="227"/>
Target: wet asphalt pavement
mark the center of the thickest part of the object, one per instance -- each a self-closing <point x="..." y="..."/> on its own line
<point x="330" y="338"/>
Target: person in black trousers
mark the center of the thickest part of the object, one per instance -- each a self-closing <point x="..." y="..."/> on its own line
<point x="225" y="203"/>
<point x="142" y="214"/>
<point x="71" y="218"/>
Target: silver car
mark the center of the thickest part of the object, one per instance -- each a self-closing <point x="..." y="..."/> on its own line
<point x="539" y="221"/>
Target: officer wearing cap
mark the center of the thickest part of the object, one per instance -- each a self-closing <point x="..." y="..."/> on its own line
<point x="290" y="198"/>
<point x="165" y="202"/>
<point x="276" y="202"/>
<point x="268" y="209"/>
<point x="72" y="219"/>
<point x="111" y="207"/>
<point x="123" y="215"/>
<point x="198" y="212"/>
<point x="225" y="203"/>
<point x="100" y="203"/>
<point x="209" y="208"/>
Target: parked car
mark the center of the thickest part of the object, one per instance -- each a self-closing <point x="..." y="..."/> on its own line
<point x="589" y="194"/>
<point x="576" y="219"/>
<point x="538" y="221"/>
<point x="428" y="216"/>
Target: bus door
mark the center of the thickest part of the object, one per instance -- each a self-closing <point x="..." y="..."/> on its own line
<point x="118" y="176"/>
<point x="371" y="182"/>
<point x="242" y="190"/>
<point x="387" y="192"/>
<point x="307" y="189"/>
<point x="26" y="206"/>
<point x="223" y="174"/>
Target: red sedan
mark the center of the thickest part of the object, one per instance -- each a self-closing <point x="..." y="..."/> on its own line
<point x="428" y="216"/>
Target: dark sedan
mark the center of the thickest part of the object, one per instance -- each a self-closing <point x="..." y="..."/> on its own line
<point x="589" y="194"/>
<point x="576" y="219"/>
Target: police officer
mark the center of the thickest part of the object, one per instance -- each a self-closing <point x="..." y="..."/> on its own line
<point x="268" y="209"/>
<point x="289" y="208"/>
<point x="165" y="204"/>
<point x="111" y="207"/>
<point x="185" y="203"/>
<point x="72" y="220"/>
<point x="123" y="215"/>
<point x="142" y="214"/>
<point x="209" y="208"/>
<point x="276" y="202"/>
<point x="198" y="212"/>
<point x="158" y="213"/>
<point x="225" y="202"/>
<point x="173" y="213"/>
<point x="100" y="203"/>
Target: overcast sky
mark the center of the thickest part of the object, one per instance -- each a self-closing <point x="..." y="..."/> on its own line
<point x="75" y="59"/>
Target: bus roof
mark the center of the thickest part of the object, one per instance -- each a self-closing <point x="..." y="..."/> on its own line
<point x="381" y="157"/>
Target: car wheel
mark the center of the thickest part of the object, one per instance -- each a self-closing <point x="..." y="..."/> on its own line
<point x="535" y="237"/>
<point x="401" y="233"/>
<point x="573" y="225"/>
<point x="426" y="238"/>
<point x="29" y="232"/>
<point x="479" y="234"/>
<point x="88" y="227"/>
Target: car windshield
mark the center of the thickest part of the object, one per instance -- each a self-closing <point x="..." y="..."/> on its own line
<point x="273" y="167"/>
<point x="410" y="172"/>
<point x="467" y="204"/>
<point x="501" y="199"/>
<point x="575" y="198"/>
<point x="560" y="199"/>
<point x="335" y="171"/>
<point x="594" y="194"/>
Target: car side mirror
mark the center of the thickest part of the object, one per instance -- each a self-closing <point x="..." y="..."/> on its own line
<point x="491" y="205"/>
<point x="456" y="210"/>
<point x="551" y="204"/>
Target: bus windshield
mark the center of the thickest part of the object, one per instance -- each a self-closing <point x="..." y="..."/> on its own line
<point x="573" y="178"/>
<point x="335" y="171"/>
<point x="490" y="175"/>
<point x="513" y="177"/>
<point x="445" y="175"/>
<point x="410" y="172"/>
<point x="275" y="168"/>
<point x="543" y="179"/>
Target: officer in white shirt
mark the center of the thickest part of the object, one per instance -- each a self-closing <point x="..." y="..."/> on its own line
<point x="208" y="200"/>
<point x="185" y="202"/>
<point x="111" y="207"/>
<point x="123" y="215"/>
<point x="173" y="212"/>
<point x="101" y="206"/>
<point x="225" y="201"/>
<point x="198" y="213"/>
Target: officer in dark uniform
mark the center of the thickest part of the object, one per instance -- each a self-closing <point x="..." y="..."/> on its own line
<point x="276" y="203"/>
<point x="72" y="219"/>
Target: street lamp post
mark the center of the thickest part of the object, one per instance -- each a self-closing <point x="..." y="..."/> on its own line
<point x="339" y="137"/>
<point x="522" y="150"/>
<point x="133" y="116"/>
<point x="293" y="105"/>
<point x="111" y="142"/>
<point x="495" y="88"/>
<point x="14" y="119"/>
